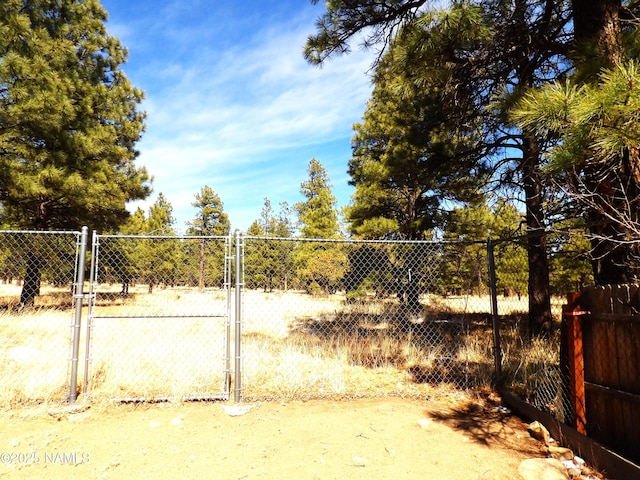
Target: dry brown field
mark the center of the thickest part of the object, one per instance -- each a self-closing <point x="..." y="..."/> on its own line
<point x="293" y="345"/>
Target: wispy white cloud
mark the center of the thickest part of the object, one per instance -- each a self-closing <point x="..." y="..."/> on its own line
<point x="237" y="118"/>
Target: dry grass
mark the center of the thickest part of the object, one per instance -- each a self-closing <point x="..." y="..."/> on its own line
<point x="294" y="346"/>
<point x="34" y="354"/>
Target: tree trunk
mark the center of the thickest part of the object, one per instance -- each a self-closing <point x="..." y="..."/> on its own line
<point x="537" y="260"/>
<point x="596" y="25"/>
<point x="608" y="260"/>
<point x="538" y="287"/>
<point x="614" y="252"/>
<point x="598" y="32"/>
<point x="201" y="266"/>
<point x="31" y="285"/>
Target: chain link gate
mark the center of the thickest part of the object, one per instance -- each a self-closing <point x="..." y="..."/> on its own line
<point x="158" y="326"/>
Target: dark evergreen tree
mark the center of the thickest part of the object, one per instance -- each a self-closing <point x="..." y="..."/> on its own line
<point x="69" y="122"/>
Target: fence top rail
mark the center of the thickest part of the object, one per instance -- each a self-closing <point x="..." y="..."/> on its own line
<point x="170" y="237"/>
<point x="42" y="232"/>
<point x="362" y="241"/>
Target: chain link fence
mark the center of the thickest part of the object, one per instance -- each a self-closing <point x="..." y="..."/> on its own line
<point x="37" y="272"/>
<point x="531" y="365"/>
<point x="300" y="318"/>
<point x="363" y="318"/>
<point x="158" y="322"/>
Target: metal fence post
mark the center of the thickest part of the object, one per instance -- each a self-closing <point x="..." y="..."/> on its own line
<point x="78" y="297"/>
<point x="93" y="272"/>
<point x="228" y="279"/>
<point x="238" y="317"/>
<point x="497" y="349"/>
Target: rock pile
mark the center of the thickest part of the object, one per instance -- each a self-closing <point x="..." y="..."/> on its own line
<point x="561" y="464"/>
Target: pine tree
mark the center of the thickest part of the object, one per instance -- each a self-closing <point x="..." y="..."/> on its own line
<point x="69" y="122"/>
<point x="406" y="160"/>
<point x="317" y="215"/>
<point x="596" y="161"/>
<point x="211" y="220"/>
<point x="69" y="118"/>
<point x="321" y="265"/>
<point x="488" y="53"/>
<point x="160" y="254"/>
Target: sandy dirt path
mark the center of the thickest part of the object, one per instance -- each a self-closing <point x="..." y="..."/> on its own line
<point x="366" y="439"/>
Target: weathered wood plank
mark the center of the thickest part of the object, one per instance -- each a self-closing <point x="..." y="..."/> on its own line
<point x="611" y="345"/>
<point x="574" y="356"/>
<point x="630" y="397"/>
<point x="599" y="419"/>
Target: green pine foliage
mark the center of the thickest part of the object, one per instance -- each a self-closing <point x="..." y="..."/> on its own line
<point x="596" y="127"/>
<point x="210" y="221"/>
<point x="320" y="266"/>
<point x="317" y="214"/>
<point x="597" y="123"/>
<point x="69" y="118"/>
<point x="570" y="265"/>
<point x="268" y="262"/>
<point x="411" y="155"/>
<point x="211" y="218"/>
<point x="465" y="268"/>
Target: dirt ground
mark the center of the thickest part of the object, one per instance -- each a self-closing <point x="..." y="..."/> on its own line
<point x="364" y="439"/>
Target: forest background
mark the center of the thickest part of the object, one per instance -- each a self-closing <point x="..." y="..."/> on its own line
<point x="488" y="118"/>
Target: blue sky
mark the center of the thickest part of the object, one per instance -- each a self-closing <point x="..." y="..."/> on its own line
<point x="232" y="104"/>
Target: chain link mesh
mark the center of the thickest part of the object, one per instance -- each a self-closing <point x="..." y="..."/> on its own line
<point x="159" y="318"/>
<point x="37" y="272"/>
<point x="345" y="318"/>
<point x="531" y="364"/>
<point x="320" y="318"/>
<point x="531" y="360"/>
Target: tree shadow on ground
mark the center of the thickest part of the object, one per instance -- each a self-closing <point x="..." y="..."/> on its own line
<point x="487" y="422"/>
<point x="431" y="348"/>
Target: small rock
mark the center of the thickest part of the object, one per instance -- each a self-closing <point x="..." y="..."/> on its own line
<point x="560" y="453"/>
<point x="574" y="473"/>
<point x="79" y="417"/>
<point x="360" y="461"/>
<point x="237" y="410"/>
<point x="177" y="421"/>
<point x="60" y="413"/>
<point x="424" y="423"/>
<point x="539" y="432"/>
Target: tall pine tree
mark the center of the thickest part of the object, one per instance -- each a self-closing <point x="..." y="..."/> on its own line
<point x="210" y="220"/>
<point x="69" y="118"/>
<point x="69" y="121"/>
<point x="317" y="215"/>
<point x="321" y="265"/>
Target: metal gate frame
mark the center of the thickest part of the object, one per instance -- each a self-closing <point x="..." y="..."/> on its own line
<point x="91" y="296"/>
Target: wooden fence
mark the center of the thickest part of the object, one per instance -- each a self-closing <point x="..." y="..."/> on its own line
<point x="602" y="328"/>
